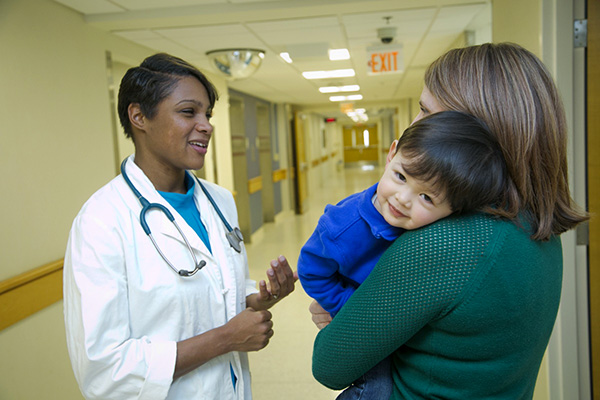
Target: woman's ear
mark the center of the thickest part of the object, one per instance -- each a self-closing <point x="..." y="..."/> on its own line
<point x="392" y="152"/>
<point x="136" y="117"/>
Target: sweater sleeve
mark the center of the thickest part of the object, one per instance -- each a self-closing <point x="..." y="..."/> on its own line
<point x="416" y="280"/>
<point x="318" y="270"/>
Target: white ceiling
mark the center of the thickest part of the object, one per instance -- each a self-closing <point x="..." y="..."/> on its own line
<point x="190" y="28"/>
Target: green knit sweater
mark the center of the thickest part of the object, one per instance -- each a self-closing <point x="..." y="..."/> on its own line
<point x="465" y="306"/>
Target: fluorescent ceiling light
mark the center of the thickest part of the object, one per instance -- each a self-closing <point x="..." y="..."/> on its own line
<point x="329" y="89"/>
<point x="358" y="115"/>
<point x="337" y="73"/>
<point x="286" y="57"/>
<point x="339" y="54"/>
<point x="354" y="97"/>
<point x="336" y="89"/>
<point x="350" y="88"/>
<point x="344" y="98"/>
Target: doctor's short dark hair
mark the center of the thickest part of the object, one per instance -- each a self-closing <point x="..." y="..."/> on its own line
<point x="152" y="82"/>
<point x="458" y="154"/>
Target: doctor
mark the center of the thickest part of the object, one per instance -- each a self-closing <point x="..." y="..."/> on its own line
<point x="176" y="325"/>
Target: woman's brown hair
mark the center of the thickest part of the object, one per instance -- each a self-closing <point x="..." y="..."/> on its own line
<point x="509" y="88"/>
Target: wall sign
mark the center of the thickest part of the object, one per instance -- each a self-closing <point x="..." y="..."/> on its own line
<point x="386" y="59"/>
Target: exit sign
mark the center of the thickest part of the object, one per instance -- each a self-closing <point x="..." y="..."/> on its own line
<point x="385" y="60"/>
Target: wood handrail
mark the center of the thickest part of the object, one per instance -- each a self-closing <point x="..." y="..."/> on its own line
<point x="30" y="292"/>
<point x="29" y="276"/>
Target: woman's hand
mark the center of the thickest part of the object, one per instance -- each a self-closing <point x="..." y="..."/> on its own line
<point x="282" y="282"/>
<point x="320" y="317"/>
<point x="250" y="330"/>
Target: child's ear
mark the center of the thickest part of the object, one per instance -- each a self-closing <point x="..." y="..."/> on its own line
<point x="392" y="152"/>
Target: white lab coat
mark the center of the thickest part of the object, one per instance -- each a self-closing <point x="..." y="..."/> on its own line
<point x="125" y="309"/>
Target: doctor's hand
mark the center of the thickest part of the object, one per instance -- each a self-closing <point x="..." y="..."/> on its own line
<point x="250" y="330"/>
<point x="282" y="281"/>
<point x="320" y="317"/>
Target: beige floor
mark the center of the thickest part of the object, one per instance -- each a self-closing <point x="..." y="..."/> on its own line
<point x="283" y="369"/>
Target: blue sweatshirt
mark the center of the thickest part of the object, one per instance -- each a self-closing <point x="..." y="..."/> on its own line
<point x="349" y="240"/>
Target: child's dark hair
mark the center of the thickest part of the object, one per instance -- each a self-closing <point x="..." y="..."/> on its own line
<point x="152" y="82"/>
<point x="456" y="153"/>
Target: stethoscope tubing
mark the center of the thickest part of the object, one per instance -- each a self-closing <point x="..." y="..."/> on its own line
<point x="234" y="235"/>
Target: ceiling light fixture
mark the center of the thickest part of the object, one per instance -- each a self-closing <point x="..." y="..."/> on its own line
<point x="236" y="63"/>
<point x="337" y="89"/>
<point x="286" y="57"/>
<point x="346" y="98"/>
<point x="358" y="115"/>
<point x="339" y="54"/>
<point x="337" y="73"/>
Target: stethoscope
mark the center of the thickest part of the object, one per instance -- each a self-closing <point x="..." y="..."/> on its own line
<point x="234" y="235"/>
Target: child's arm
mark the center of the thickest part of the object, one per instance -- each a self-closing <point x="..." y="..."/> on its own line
<point x="318" y="270"/>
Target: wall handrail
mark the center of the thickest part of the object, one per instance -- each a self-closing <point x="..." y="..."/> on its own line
<point x="30" y="292"/>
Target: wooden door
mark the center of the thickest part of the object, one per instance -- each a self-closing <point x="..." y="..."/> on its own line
<point x="359" y="149"/>
<point x="300" y="164"/>
<point x="593" y="169"/>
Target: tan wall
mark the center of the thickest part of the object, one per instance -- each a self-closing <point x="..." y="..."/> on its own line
<point x="56" y="149"/>
<point x="518" y="21"/>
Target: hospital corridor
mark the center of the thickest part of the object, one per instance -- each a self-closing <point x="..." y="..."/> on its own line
<point x="301" y="104"/>
<point x="283" y="369"/>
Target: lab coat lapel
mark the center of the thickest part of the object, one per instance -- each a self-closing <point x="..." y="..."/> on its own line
<point x="209" y="216"/>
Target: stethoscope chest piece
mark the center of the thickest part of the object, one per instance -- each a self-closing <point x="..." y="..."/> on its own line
<point x="235" y="238"/>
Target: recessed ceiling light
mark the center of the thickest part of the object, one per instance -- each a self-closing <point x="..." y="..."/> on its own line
<point x="345" y="98"/>
<point x="286" y="57"/>
<point x="349" y="88"/>
<point x="339" y="54"/>
<point x="357" y="115"/>
<point x="336" y="89"/>
<point x="329" y="89"/>
<point x="355" y="97"/>
<point x="337" y="73"/>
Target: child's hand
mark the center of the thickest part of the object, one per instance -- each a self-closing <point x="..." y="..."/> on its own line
<point x="320" y="317"/>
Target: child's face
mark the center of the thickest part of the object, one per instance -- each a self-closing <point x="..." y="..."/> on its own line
<point x="406" y="202"/>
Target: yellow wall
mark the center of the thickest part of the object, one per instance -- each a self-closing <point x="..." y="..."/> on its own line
<point x="56" y="149"/>
<point x="518" y="21"/>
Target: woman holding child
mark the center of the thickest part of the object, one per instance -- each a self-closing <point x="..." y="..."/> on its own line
<point x="466" y="305"/>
